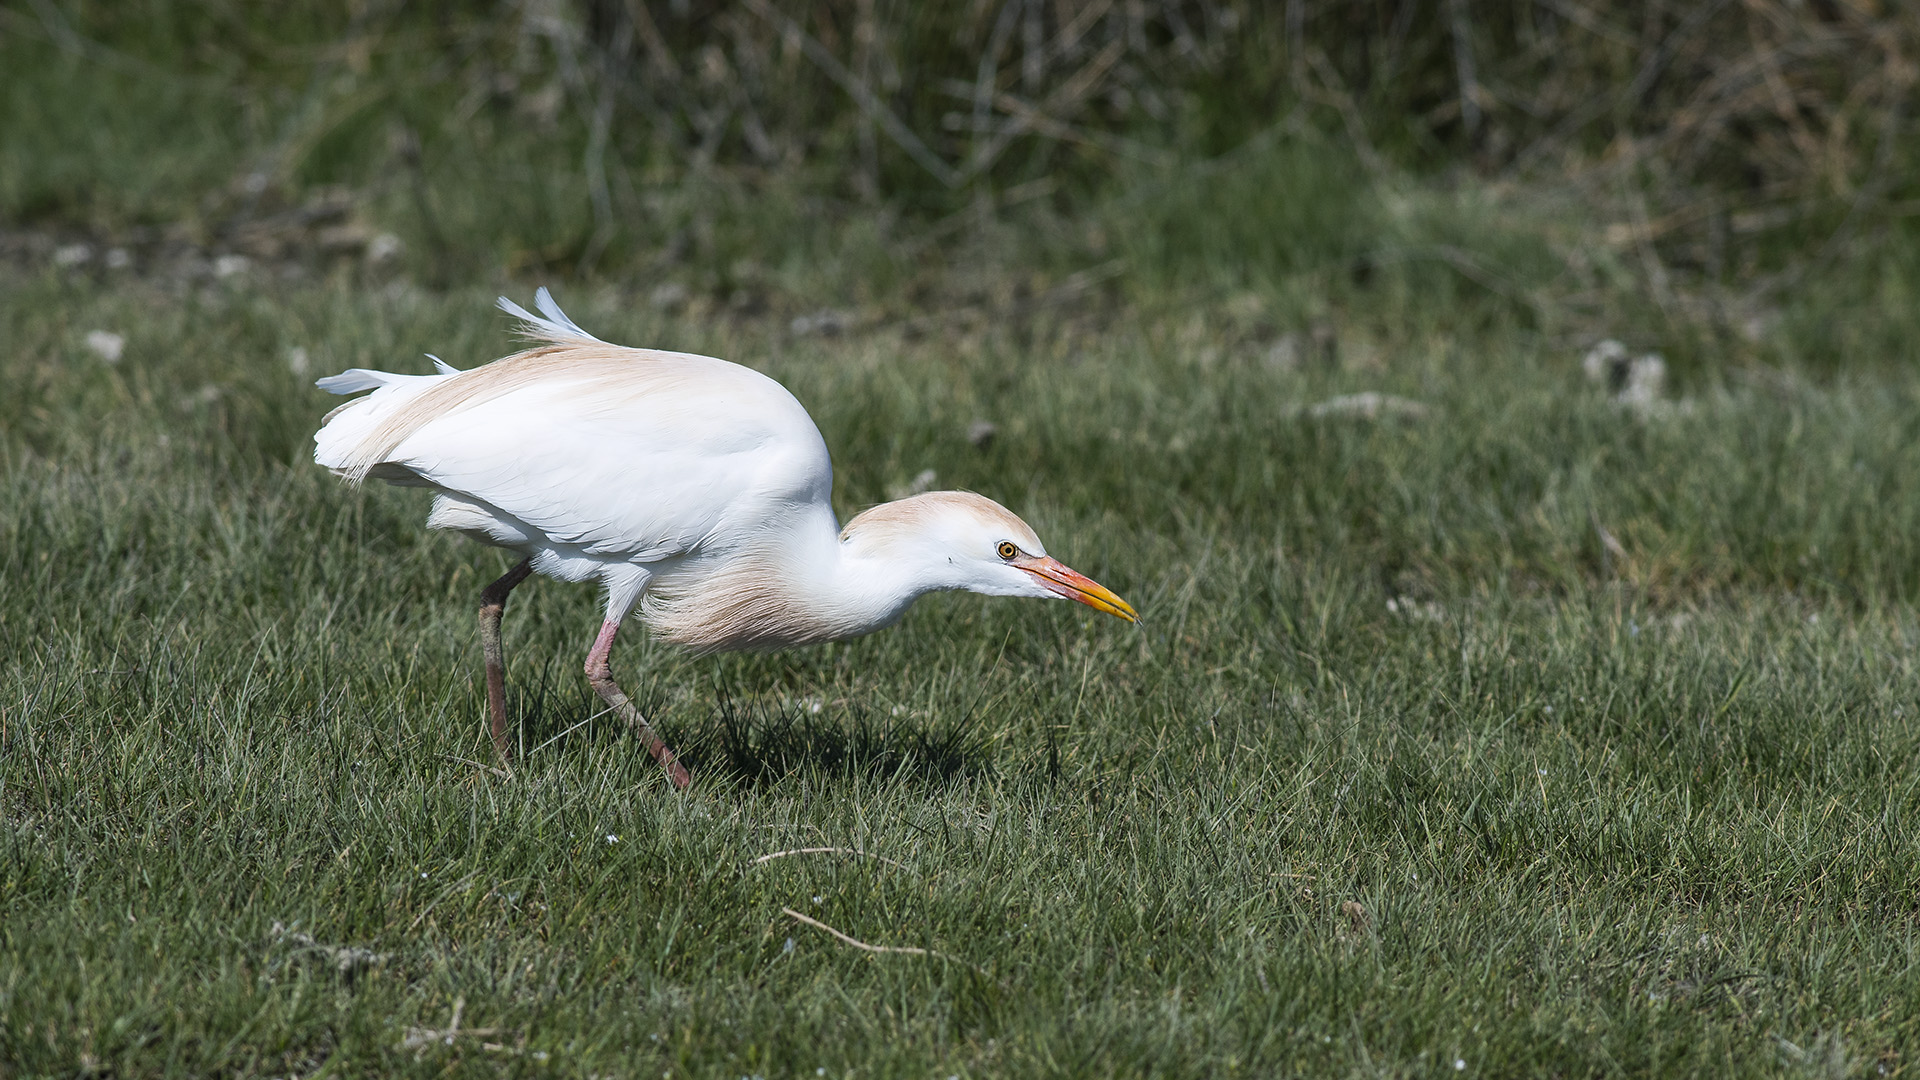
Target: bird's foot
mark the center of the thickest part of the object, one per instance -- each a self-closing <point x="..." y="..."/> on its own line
<point x="610" y="692"/>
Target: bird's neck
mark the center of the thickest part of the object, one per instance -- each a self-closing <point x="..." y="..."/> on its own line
<point x="814" y="588"/>
<point x="858" y="587"/>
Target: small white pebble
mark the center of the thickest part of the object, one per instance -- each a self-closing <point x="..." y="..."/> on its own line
<point x="107" y="345"/>
<point x="1459" y="1064"/>
<point x="1602" y="359"/>
<point x="423" y="873"/>
<point x="383" y="247"/>
<point x="821" y="1071"/>
<point x="206" y="395"/>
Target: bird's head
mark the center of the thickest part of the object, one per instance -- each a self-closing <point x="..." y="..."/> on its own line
<point x="959" y="540"/>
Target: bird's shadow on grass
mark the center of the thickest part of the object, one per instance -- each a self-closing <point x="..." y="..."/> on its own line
<point x="754" y="742"/>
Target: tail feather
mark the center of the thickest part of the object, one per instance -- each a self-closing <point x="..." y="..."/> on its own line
<point x="346" y="427"/>
<point x="354" y="380"/>
<point x="551" y="324"/>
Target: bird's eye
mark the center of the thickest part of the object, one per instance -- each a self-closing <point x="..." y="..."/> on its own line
<point x="1007" y="550"/>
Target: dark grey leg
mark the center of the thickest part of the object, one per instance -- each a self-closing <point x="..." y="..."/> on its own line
<point x="493" y="603"/>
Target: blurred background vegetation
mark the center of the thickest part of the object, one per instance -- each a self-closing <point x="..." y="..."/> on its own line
<point x="1730" y="182"/>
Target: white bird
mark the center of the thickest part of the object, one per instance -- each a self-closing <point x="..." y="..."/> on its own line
<point x="690" y="488"/>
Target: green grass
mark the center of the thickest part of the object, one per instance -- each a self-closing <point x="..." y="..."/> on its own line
<point x="1640" y="816"/>
<point x="1407" y="770"/>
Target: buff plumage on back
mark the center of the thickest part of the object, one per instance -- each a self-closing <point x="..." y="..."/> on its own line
<point x="454" y="393"/>
<point x="567" y="349"/>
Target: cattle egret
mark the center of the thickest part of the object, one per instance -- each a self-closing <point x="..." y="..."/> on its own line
<point x="692" y="490"/>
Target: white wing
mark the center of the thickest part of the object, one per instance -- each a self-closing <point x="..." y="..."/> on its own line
<point x="582" y="448"/>
<point x="654" y="456"/>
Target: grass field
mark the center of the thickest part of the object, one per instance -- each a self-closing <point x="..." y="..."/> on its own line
<point x="1402" y="770"/>
<point x="1526" y="734"/>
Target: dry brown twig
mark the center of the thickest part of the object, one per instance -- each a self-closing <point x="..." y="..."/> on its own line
<point x="498" y="772"/>
<point x="904" y="950"/>
<point x="1333" y="91"/>
<point x="650" y="36"/>
<point x="1044" y="118"/>
<point x="862" y="95"/>
<point x="419" y="1038"/>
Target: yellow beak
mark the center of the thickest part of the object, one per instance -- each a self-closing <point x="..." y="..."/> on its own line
<point x="1063" y="580"/>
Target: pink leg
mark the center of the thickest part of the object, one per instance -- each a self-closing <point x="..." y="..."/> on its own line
<point x="600" y="674"/>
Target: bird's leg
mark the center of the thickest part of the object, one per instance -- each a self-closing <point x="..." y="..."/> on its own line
<point x="600" y="674"/>
<point x="493" y="603"/>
